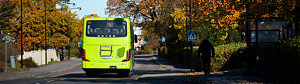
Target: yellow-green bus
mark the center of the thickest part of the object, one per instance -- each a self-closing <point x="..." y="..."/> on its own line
<point x="107" y="46"/>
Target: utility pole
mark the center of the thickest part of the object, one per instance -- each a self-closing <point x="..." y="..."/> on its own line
<point x="187" y="46"/>
<point x="191" y="69"/>
<point x="45" y="32"/>
<point x="21" y="35"/>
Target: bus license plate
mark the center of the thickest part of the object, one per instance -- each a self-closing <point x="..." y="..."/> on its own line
<point x="112" y="67"/>
<point x="105" y="57"/>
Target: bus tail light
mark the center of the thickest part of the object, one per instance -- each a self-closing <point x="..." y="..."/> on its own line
<point x="84" y="55"/>
<point x="127" y="56"/>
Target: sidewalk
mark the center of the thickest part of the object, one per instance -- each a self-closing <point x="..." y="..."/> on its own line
<point x="174" y="72"/>
<point x="51" y="68"/>
<point x="227" y="77"/>
<point x="170" y="66"/>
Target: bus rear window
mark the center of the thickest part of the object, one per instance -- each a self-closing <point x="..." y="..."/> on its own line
<point x="106" y="28"/>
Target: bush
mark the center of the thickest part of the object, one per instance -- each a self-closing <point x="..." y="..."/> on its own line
<point x="28" y="62"/>
<point x="286" y="56"/>
<point x="75" y="52"/>
<point x="18" y="67"/>
<point x="224" y="59"/>
<point x="224" y="53"/>
<point x="142" y="52"/>
<point x="234" y="36"/>
<point x="163" y="51"/>
<point x="197" y="62"/>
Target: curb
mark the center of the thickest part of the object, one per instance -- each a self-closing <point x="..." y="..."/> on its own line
<point x="168" y="69"/>
<point x="31" y="76"/>
<point x="162" y="66"/>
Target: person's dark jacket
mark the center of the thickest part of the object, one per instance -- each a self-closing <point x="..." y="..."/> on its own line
<point x="207" y="49"/>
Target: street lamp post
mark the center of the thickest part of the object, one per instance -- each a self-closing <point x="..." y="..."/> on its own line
<point x="46" y="29"/>
<point x="69" y="33"/>
<point x="77" y="8"/>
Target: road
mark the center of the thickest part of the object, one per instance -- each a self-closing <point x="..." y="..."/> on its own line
<point x="144" y="65"/>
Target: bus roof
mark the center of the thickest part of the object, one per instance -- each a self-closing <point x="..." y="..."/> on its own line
<point x="106" y="18"/>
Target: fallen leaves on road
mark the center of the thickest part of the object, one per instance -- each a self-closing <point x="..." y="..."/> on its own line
<point x="163" y="67"/>
<point x="201" y="73"/>
<point x="193" y="73"/>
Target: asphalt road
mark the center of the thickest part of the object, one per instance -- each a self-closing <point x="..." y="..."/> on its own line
<point x="144" y="65"/>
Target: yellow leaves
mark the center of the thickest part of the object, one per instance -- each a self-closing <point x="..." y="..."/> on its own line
<point x="193" y="73"/>
<point x="224" y="37"/>
<point x="212" y="21"/>
<point x="179" y="18"/>
<point x="179" y="21"/>
<point x="236" y="14"/>
<point x="34" y="23"/>
<point x="206" y="19"/>
<point x="154" y="20"/>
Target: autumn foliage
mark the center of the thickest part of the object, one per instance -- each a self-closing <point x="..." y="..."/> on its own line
<point x="62" y="26"/>
<point x="221" y="15"/>
<point x="213" y="19"/>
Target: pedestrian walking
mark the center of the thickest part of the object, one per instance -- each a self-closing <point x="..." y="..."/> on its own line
<point x="207" y="52"/>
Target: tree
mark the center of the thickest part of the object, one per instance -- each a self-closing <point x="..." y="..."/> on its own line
<point x="212" y="18"/>
<point x="6" y="8"/>
<point x="79" y="27"/>
<point x="147" y="10"/>
<point x="61" y="25"/>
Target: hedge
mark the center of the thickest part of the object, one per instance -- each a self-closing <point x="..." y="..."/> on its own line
<point x="227" y="57"/>
<point x="286" y="56"/>
<point x="142" y="52"/>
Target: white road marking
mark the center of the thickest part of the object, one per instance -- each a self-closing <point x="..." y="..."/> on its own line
<point x="49" y="81"/>
<point x="40" y="77"/>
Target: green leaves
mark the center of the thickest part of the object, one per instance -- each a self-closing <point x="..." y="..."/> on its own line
<point x="224" y="53"/>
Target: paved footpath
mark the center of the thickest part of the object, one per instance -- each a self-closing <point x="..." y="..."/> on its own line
<point x="226" y="77"/>
<point x="47" y="69"/>
<point x="170" y="66"/>
<point x="174" y="72"/>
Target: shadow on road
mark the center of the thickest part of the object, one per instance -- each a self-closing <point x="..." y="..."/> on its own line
<point x="82" y="75"/>
<point x="144" y="67"/>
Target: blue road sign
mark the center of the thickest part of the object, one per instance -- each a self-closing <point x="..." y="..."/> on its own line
<point x="163" y="39"/>
<point x="80" y="43"/>
<point x="192" y="35"/>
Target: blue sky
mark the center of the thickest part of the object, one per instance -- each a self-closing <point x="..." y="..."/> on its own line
<point x="89" y="7"/>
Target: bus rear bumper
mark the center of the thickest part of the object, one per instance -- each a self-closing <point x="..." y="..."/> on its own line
<point x="93" y="70"/>
<point x="106" y="65"/>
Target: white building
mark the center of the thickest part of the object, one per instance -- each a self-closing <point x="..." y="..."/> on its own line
<point x="139" y="45"/>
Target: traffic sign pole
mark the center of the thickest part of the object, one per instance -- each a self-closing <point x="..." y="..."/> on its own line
<point x="192" y="36"/>
<point x="6" y="40"/>
<point x="5" y="57"/>
<point x="191" y="69"/>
